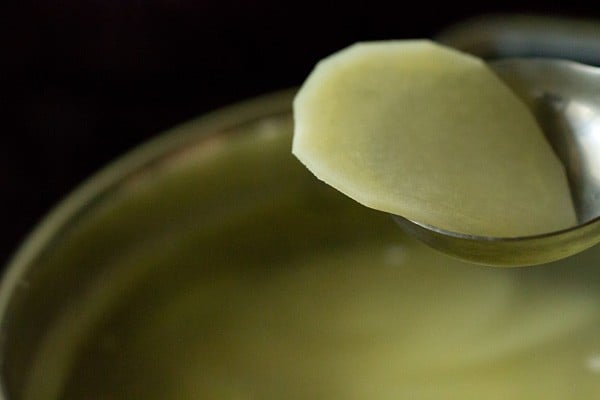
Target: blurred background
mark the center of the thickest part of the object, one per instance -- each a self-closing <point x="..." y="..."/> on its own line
<point x="85" y="81"/>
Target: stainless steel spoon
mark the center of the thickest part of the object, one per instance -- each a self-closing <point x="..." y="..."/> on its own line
<point x="565" y="98"/>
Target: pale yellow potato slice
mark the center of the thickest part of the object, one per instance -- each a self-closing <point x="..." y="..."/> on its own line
<point x="429" y="133"/>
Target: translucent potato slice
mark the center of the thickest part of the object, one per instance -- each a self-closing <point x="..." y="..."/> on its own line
<point x="426" y="132"/>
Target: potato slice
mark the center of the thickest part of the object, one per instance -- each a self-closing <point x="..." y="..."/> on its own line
<point x="426" y="132"/>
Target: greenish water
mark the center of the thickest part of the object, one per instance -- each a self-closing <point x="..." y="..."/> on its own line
<point x="234" y="274"/>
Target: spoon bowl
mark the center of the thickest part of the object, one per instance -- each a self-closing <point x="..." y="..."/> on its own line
<point x="564" y="96"/>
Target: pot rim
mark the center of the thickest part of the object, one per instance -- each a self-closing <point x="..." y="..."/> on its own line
<point x="93" y="189"/>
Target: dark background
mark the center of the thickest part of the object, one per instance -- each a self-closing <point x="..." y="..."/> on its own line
<point x="84" y="81"/>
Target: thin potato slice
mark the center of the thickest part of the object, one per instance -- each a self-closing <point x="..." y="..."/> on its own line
<point x="426" y="132"/>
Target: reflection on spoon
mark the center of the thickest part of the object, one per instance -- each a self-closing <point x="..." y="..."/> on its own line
<point x="565" y="98"/>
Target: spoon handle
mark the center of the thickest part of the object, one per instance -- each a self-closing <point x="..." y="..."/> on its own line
<point x="508" y="36"/>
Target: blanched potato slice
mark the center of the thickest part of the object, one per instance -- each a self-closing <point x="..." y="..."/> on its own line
<point x="426" y="132"/>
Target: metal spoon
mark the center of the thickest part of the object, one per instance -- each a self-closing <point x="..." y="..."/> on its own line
<point x="565" y="98"/>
